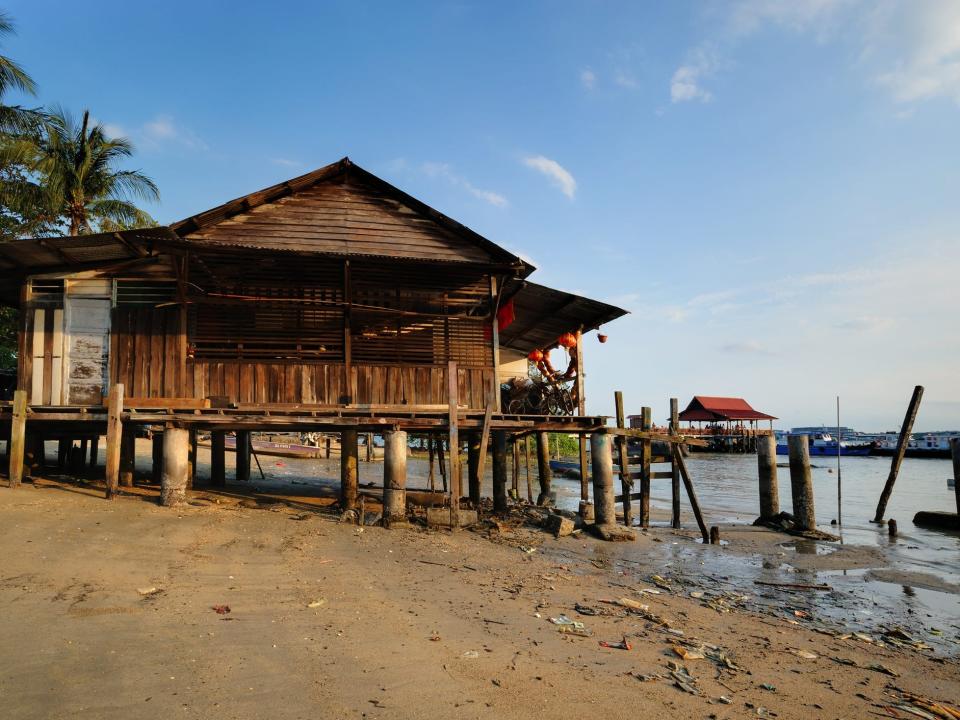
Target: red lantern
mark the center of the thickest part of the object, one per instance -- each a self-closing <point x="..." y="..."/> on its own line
<point x="535" y="356"/>
<point x="568" y="340"/>
<point x="601" y="337"/>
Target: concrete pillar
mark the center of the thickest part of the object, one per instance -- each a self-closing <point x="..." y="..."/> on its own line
<point x="604" y="509"/>
<point x="499" y="438"/>
<point x="394" y="476"/>
<point x="473" y="468"/>
<point x="801" y="482"/>
<point x="348" y="469"/>
<point x="176" y="467"/>
<point x="243" y="456"/>
<point x="543" y="467"/>
<point x="767" y="471"/>
<point x="218" y="458"/>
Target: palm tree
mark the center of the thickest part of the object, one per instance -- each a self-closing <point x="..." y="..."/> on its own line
<point x="12" y="76"/>
<point x="76" y="179"/>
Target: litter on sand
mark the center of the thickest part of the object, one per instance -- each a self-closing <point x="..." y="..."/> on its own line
<point x="805" y="654"/>
<point x="316" y="603"/>
<point x="572" y="630"/>
<point x="622" y="645"/>
<point x="148" y="591"/>
<point x="220" y="609"/>
<point x="688" y="654"/>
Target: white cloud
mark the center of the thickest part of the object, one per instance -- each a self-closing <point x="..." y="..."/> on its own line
<point x="588" y="78"/>
<point x="910" y="48"/>
<point x="685" y="85"/>
<point x="445" y="172"/>
<point x="625" y="80"/>
<point x="157" y="133"/>
<point x="284" y="162"/>
<point x="557" y="174"/>
<point x="745" y="347"/>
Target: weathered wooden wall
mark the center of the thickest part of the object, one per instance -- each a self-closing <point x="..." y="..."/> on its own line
<point x="147" y="352"/>
<point x="272" y="382"/>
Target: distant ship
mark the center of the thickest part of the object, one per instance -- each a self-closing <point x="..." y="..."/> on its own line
<point x="823" y="443"/>
<point x="926" y="445"/>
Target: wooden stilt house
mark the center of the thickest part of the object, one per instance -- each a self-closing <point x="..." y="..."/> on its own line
<point x="331" y="288"/>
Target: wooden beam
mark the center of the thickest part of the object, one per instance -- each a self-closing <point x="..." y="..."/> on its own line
<point x="902" y="442"/>
<point x="674" y="471"/>
<point x="691" y="493"/>
<point x="453" y="389"/>
<point x="626" y="481"/>
<point x="114" y="438"/>
<point x="484" y="439"/>
<point x="18" y="437"/>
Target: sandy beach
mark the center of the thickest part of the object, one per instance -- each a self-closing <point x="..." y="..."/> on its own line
<point x="235" y="608"/>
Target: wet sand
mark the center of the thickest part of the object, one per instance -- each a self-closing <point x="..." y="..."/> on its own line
<point x="332" y="620"/>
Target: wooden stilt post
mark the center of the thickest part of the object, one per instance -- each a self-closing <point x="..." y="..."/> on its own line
<point x="767" y="470"/>
<point x="157" y="441"/>
<point x="514" y="469"/>
<point x="369" y="447"/>
<point x="473" y="468"/>
<point x="645" y="455"/>
<point x="691" y="493"/>
<point x="243" y="456"/>
<point x="128" y="457"/>
<point x="499" y="471"/>
<point x="626" y="482"/>
<point x="441" y="463"/>
<point x="193" y="449"/>
<point x="801" y="482"/>
<point x="543" y="467"/>
<point x="218" y="458"/>
<point x="18" y="437"/>
<point x="604" y="507"/>
<point x="955" y="452"/>
<point x="176" y="466"/>
<point x="114" y="439"/>
<point x="453" y="395"/>
<point x="526" y="453"/>
<point x="430" y="475"/>
<point x="78" y="458"/>
<point x="349" y="473"/>
<point x="94" y="451"/>
<point x="394" y="476"/>
<point x="902" y="443"/>
<point x="674" y="471"/>
<point x="326" y="447"/>
<point x="63" y="452"/>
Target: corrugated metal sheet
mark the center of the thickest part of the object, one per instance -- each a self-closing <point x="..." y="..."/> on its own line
<point x="542" y="314"/>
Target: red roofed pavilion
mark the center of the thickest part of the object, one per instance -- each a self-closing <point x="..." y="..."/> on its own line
<point x="721" y="409"/>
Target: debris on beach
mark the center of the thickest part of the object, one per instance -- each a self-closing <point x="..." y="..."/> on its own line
<point x="683" y="679"/>
<point x="622" y="645"/>
<point x="146" y="592"/>
<point x="220" y="609"/>
<point x="316" y="603"/>
<point x="920" y="706"/>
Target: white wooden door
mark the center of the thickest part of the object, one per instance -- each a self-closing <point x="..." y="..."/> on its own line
<point x="87" y="338"/>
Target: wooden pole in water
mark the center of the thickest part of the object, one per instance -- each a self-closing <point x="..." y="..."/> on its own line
<point x="645" y="455"/>
<point x="473" y="468"/>
<point x="955" y="451"/>
<point x="604" y="506"/>
<point x="626" y="482"/>
<point x="114" y="436"/>
<point x="18" y="437"/>
<point x="839" y="483"/>
<point x="543" y="467"/>
<point x="499" y="471"/>
<point x="394" y="476"/>
<point x="767" y="471"/>
<point x="242" y="470"/>
<point x="348" y="469"/>
<point x="218" y="458"/>
<point x="801" y="482"/>
<point x="902" y="442"/>
<point x="691" y="493"/>
<point x="176" y="466"/>
<point x="674" y="471"/>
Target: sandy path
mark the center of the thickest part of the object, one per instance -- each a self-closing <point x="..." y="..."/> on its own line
<point x="394" y="636"/>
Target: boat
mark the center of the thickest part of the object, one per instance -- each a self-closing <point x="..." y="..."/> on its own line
<point x="823" y="443"/>
<point x="274" y="449"/>
<point x="920" y="445"/>
<point x="565" y="469"/>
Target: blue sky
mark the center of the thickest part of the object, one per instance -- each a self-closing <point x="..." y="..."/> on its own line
<point x="770" y="186"/>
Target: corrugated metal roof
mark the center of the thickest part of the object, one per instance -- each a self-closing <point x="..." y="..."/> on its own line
<point x="704" y="407"/>
<point x="542" y="314"/>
